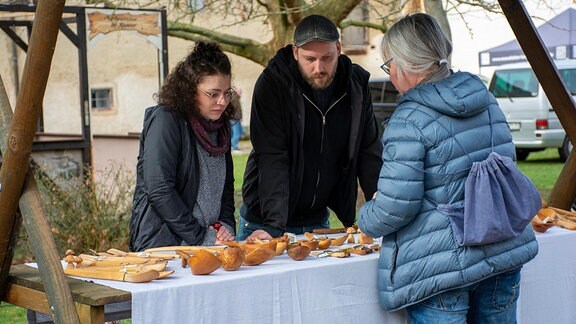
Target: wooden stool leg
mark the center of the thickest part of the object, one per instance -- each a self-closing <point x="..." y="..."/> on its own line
<point x="90" y="314"/>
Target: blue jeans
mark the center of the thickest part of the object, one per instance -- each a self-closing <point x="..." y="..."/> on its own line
<point x="492" y="300"/>
<point x="245" y="228"/>
<point x="236" y="129"/>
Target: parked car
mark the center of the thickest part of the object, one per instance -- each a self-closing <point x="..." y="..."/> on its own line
<point x="531" y="118"/>
<point x="384" y="99"/>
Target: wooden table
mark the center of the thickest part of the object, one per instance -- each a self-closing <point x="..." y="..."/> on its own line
<point x="25" y="289"/>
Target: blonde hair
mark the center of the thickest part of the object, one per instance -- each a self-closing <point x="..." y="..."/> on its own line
<point x="417" y="45"/>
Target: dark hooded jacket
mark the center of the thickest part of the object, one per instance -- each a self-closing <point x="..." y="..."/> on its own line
<point x="167" y="185"/>
<point x="306" y="155"/>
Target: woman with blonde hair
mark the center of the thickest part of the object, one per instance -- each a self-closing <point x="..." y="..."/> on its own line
<point x="444" y="122"/>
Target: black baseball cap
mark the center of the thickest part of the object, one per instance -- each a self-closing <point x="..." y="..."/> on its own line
<point x="315" y="28"/>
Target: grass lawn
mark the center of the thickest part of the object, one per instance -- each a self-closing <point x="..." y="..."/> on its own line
<point x="12" y="314"/>
<point x="543" y="168"/>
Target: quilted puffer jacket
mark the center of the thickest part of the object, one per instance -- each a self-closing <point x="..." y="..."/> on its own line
<point x="442" y="128"/>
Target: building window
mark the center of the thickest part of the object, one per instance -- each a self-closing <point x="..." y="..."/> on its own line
<point x="354" y="38"/>
<point x="101" y="99"/>
<point x="196" y="5"/>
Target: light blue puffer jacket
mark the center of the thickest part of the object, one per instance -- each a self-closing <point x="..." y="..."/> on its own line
<point x="442" y="128"/>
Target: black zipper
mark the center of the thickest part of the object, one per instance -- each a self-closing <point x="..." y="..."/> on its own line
<point x="322" y="137"/>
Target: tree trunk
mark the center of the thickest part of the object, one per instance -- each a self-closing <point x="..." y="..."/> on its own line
<point x="436" y="9"/>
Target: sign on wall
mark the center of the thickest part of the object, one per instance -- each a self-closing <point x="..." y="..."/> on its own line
<point x="100" y="22"/>
<point x="145" y="24"/>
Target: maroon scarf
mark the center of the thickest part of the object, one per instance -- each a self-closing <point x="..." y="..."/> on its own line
<point x="201" y="127"/>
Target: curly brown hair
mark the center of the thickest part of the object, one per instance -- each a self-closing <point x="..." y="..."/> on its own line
<point x="178" y="94"/>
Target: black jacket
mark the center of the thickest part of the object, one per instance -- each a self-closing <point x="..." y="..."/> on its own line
<point x="275" y="171"/>
<point x="167" y="185"/>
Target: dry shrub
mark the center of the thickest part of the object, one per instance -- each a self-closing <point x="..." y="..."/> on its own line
<point x="89" y="213"/>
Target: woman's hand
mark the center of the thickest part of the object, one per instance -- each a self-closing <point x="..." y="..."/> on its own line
<point x="223" y="235"/>
<point x="260" y="234"/>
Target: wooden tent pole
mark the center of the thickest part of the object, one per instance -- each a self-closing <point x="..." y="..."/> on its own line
<point x="38" y="230"/>
<point x="17" y="147"/>
<point x="562" y="194"/>
<point x="564" y="190"/>
<point x="10" y="226"/>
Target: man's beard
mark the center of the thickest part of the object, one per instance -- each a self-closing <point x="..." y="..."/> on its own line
<point x="320" y="84"/>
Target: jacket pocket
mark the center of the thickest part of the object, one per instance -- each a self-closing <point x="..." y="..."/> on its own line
<point x="387" y="262"/>
<point x="506" y="289"/>
<point x="394" y="259"/>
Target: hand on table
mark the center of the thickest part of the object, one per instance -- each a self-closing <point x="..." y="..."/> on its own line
<point x="223" y="235"/>
<point x="260" y="234"/>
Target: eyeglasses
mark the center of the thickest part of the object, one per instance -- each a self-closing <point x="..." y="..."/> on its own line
<point x="386" y="66"/>
<point x="227" y="95"/>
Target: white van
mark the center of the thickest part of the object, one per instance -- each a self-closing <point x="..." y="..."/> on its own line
<point x="532" y="120"/>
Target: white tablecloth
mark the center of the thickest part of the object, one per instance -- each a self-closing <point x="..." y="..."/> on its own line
<point x="548" y="286"/>
<point x="315" y="290"/>
<point x="331" y="290"/>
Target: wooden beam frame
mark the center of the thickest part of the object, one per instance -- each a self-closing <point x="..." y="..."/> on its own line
<point x="18" y="185"/>
<point x="564" y="191"/>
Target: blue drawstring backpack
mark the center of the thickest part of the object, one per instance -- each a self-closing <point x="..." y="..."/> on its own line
<point x="499" y="201"/>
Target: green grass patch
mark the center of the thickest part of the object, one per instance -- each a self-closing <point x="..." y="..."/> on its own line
<point x="543" y="168"/>
<point x="16" y="315"/>
<point x="239" y="167"/>
<point x="12" y="314"/>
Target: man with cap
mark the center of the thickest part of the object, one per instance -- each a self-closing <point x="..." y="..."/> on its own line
<point x="314" y="137"/>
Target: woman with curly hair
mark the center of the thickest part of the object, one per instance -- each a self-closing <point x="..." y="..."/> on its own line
<point x="185" y="186"/>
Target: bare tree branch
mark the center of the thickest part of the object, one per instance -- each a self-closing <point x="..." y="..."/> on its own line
<point x="281" y="16"/>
